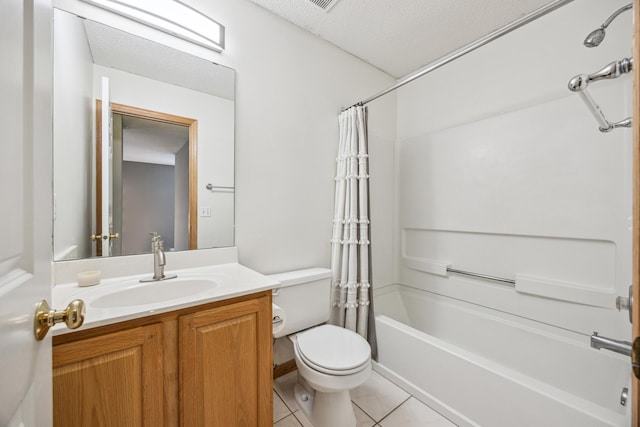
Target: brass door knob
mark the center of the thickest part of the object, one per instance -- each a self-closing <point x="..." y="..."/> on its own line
<point x="45" y="317"/>
<point x="635" y="357"/>
<point x="95" y="237"/>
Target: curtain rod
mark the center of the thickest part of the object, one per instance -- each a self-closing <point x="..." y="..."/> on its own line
<point x="470" y="47"/>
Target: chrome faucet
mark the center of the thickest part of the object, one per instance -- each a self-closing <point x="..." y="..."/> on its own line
<point x="159" y="260"/>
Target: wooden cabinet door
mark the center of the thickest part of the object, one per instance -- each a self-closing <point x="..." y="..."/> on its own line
<point x="225" y="366"/>
<point x="110" y="380"/>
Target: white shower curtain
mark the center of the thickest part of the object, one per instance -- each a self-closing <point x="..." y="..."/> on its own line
<point x="350" y="248"/>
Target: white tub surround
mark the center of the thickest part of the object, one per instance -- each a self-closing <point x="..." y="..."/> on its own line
<point x="514" y="180"/>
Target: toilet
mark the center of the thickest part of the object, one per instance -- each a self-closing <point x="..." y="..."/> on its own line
<point x="331" y="360"/>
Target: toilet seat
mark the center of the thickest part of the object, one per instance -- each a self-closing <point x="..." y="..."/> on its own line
<point x="333" y="350"/>
<point x="324" y="370"/>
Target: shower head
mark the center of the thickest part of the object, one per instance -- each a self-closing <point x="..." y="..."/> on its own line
<point x="596" y="36"/>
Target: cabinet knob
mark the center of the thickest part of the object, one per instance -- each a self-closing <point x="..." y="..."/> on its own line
<point x="46" y="317"/>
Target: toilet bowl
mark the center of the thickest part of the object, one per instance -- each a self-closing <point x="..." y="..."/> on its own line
<point x="331" y="360"/>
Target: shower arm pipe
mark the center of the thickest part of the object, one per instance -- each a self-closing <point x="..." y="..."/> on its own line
<point x="615" y="15"/>
<point x="470" y="47"/>
<point x="580" y="84"/>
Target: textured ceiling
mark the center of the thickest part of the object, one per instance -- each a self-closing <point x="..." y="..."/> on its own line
<point x="123" y="51"/>
<point x="401" y="36"/>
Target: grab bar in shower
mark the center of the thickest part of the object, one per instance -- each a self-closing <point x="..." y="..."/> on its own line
<point x="481" y="276"/>
<point x="580" y="83"/>
<point x="219" y="189"/>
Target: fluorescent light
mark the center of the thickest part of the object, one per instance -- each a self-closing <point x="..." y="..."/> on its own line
<point x="170" y="16"/>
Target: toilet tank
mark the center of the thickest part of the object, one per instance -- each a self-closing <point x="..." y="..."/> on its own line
<point x="304" y="295"/>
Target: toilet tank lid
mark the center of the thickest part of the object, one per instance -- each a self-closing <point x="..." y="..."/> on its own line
<point x="290" y="278"/>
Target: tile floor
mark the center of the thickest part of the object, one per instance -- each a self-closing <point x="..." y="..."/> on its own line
<point x="377" y="403"/>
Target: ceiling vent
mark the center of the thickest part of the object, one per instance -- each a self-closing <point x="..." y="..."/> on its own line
<point x="325" y="5"/>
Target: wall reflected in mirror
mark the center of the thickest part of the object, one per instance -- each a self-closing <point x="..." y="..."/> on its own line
<point x="173" y="176"/>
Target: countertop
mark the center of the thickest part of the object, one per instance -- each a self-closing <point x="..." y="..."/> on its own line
<point x="232" y="280"/>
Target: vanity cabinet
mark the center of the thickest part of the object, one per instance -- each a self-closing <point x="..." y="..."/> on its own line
<point x="208" y="365"/>
<point x="224" y="379"/>
<point x="109" y="380"/>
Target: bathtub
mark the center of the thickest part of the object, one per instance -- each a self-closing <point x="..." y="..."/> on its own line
<point x="481" y="367"/>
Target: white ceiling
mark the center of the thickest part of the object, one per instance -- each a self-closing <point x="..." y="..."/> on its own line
<point x="401" y="36"/>
<point x="150" y="141"/>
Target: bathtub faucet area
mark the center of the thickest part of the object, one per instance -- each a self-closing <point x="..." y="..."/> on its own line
<point x="621" y="347"/>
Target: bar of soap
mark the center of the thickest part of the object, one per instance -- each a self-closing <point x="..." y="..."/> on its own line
<point x="89" y="278"/>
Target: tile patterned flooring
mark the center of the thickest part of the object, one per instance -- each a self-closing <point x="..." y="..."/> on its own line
<point x="377" y="403"/>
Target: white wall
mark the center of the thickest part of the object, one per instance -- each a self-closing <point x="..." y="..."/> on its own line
<point x="290" y="87"/>
<point x="72" y="132"/>
<point x="502" y="171"/>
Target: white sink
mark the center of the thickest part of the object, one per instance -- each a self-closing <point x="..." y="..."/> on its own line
<point x="135" y="293"/>
<point x="118" y="299"/>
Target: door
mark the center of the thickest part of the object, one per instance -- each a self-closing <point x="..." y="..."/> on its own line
<point x="635" y="315"/>
<point x="25" y="211"/>
<point x="107" y="162"/>
<point x="104" y="172"/>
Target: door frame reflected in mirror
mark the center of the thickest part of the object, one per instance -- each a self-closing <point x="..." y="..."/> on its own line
<point x="131" y="111"/>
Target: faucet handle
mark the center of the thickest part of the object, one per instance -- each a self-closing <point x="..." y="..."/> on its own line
<point x="155" y="237"/>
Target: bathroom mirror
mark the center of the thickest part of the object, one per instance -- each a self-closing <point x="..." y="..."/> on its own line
<point x="163" y="161"/>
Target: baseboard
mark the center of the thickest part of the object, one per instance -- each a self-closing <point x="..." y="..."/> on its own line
<point x="284" y="368"/>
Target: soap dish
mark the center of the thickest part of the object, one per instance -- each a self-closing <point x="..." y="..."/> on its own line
<point x="88" y="278"/>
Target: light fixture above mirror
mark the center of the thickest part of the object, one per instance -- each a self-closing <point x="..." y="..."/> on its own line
<point x="172" y="17"/>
